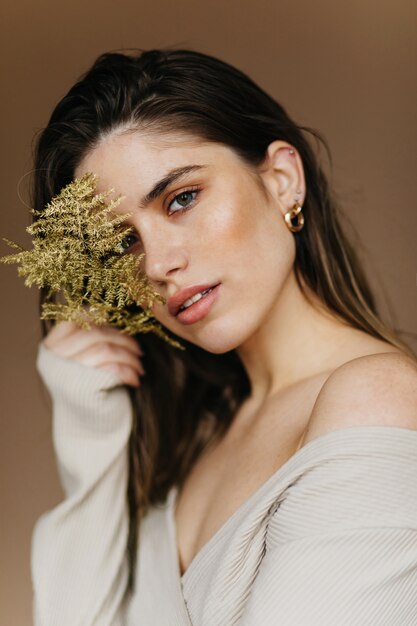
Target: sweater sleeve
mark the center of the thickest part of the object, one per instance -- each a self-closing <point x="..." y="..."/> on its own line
<point x="78" y="553"/>
<point x="341" y="545"/>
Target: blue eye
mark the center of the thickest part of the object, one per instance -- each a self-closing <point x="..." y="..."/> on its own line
<point x="181" y="198"/>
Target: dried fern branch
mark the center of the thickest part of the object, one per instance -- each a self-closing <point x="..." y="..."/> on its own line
<point x="78" y="253"/>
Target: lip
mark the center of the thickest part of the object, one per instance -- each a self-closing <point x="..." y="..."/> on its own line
<point x="199" y="309"/>
<point x="174" y="303"/>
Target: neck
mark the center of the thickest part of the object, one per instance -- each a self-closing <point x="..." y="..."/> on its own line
<point x="297" y="340"/>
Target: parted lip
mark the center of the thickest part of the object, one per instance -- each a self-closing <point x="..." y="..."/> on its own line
<point x="175" y="302"/>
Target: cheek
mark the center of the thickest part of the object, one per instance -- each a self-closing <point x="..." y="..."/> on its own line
<point x="160" y="309"/>
<point x="252" y="236"/>
<point x="229" y="227"/>
<point x="161" y="314"/>
<point x="240" y="243"/>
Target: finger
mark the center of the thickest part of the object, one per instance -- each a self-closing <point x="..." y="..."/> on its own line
<point x="105" y="352"/>
<point x="60" y="331"/>
<point x="75" y="343"/>
<point x="126" y="374"/>
<point x="111" y="331"/>
<point x="136" y="366"/>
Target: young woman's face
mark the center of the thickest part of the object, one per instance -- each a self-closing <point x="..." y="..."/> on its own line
<point x="212" y="226"/>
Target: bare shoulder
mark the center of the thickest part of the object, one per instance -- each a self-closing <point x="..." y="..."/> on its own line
<point x="372" y="390"/>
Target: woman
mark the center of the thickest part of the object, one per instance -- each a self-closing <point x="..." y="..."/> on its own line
<point x="270" y="467"/>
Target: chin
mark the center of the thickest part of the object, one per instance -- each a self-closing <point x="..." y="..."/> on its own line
<point x="218" y="335"/>
<point x="216" y="340"/>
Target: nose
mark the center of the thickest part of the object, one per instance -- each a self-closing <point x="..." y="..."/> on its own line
<point x="165" y="254"/>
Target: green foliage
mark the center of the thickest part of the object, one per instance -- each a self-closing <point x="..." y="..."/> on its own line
<point x="78" y="253"/>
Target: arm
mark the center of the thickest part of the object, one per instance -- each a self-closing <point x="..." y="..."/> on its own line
<point x="78" y="561"/>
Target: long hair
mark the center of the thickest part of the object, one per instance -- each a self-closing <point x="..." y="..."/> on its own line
<point x="188" y="398"/>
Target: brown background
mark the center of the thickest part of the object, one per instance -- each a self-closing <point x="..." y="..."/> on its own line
<point x="346" y="69"/>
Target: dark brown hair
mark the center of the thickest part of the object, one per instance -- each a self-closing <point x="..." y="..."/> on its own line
<point x="188" y="398"/>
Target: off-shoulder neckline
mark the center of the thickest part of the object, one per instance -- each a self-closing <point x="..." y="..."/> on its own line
<point x="304" y="450"/>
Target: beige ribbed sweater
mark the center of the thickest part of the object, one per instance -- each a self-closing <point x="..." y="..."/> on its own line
<point x="330" y="539"/>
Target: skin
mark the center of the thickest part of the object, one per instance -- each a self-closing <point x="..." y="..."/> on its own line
<point x="233" y="233"/>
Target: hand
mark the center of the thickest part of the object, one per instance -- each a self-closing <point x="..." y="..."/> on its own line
<point x="101" y="346"/>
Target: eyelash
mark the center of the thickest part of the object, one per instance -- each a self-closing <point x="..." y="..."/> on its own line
<point x="195" y="189"/>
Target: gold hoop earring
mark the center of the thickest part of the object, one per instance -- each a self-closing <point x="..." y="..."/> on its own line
<point x="293" y="213"/>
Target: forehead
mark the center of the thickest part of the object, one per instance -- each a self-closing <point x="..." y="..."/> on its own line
<point x="136" y="157"/>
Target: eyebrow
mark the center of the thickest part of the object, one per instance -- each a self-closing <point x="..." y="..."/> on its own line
<point x="167" y="180"/>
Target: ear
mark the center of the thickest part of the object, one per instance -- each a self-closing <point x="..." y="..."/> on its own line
<point x="283" y="174"/>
